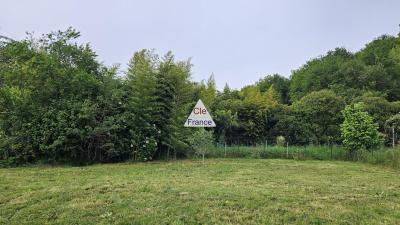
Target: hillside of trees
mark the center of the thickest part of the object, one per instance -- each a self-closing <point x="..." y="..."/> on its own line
<point x="58" y="103"/>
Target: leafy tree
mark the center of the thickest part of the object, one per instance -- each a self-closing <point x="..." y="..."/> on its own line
<point x="225" y="115"/>
<point x="49" y="91"/>
<point x="225" y="121"/>
<point x="374" y="68"/>
<point x="378" y="49"/>
<point x="393" y="122"/>
<point x="201" y="141"/>
<point x="321" y="111"/>
<point x="320" y="73"/>
<point x="182" y="103"/>
<point x="393" y="125"/>
<point x="358" y="129"/>
<point x="280" y="84"/>
<point x="160" y="97"/>
<point x="142" y="103"/>
<point x="208" y="91"/>
<point x="378" y="107"/>
<point x="253" y="113"/>
<point x="287" y="123"/>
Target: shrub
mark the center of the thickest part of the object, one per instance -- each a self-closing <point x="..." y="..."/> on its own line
<point x="201" y="141"/>
<point x="358" y="129"/>
<point x="280" y="141"/>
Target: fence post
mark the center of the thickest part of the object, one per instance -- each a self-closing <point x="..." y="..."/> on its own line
<point x="287" y="150"/>
<point x="225" y="149"/>
<point x="168" y="153"/>
<point x="298" y="153"/>
<point x="393" y="137"/>
<point x="265" y="144"/>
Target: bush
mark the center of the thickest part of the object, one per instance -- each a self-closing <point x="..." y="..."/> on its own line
<point x="280" y="141"/>
<point x="358" y="129"/>
<point x="201" y="141"/>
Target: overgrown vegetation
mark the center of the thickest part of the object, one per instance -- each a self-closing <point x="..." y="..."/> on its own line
<point x="58" y="103"/>
<point x="382" y="156"/>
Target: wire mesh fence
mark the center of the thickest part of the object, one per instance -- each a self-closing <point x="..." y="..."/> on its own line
<point x="386" y="156"/>
<point x="288" y="152"/>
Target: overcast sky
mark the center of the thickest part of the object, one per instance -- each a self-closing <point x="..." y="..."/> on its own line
<point x="239" y="41"/>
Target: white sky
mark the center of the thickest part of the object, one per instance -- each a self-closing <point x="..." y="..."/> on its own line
<point x="239" y="41"/>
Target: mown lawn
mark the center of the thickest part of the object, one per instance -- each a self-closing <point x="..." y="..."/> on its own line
<point x="231" y="191"/>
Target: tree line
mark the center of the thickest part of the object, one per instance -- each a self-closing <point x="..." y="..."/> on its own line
<point x="58" y="103"/>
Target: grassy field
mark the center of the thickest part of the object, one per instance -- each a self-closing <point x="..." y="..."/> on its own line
<point x="221" y="191"/>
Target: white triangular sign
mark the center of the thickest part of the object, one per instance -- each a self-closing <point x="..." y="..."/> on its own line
<point x="199" y="117"/>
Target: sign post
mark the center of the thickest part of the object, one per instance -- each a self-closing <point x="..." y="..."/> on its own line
<point x="200" y="117"/>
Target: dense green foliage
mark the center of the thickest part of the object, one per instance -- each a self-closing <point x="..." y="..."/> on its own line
<point x="58" y="103"/>
<point x="358" y="129"/>
<point x="280" y="84"/>
<point x="320" y="111"/>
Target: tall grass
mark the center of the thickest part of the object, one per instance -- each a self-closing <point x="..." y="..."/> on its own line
<point x="383" y="156"/>
<point x="389" y="157"/>
<point x="292" y="152"/>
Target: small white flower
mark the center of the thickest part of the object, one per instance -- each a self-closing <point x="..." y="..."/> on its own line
<point x="159" y="131"/>
<point x="147" y="141"/>
<point x="131" y="145"/>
